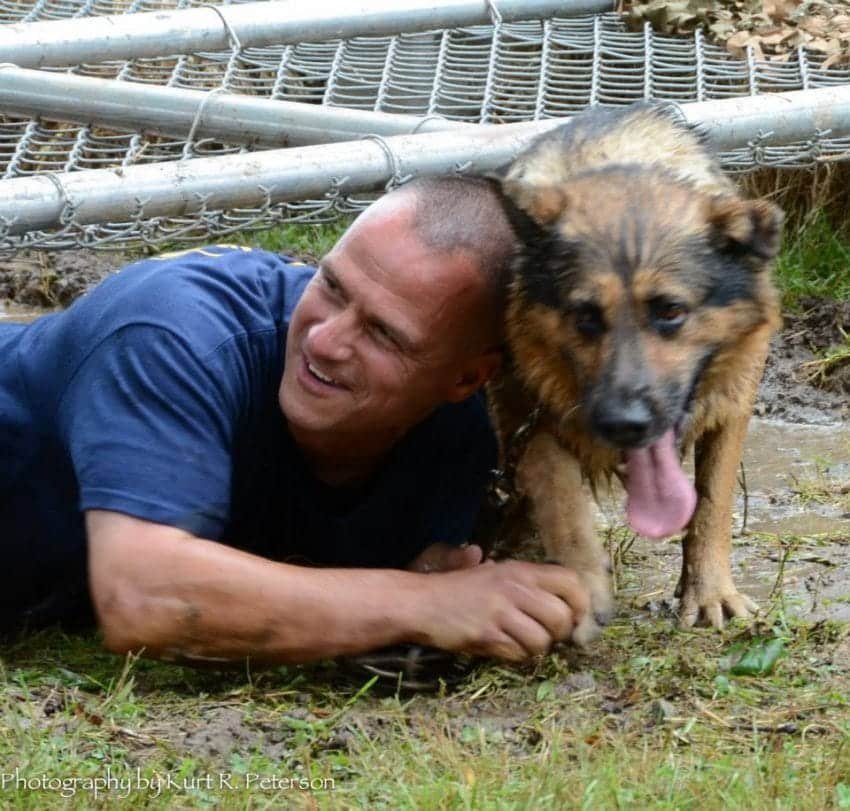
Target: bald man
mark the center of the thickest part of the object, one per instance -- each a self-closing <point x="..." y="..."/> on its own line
<point x="228" y="454"/>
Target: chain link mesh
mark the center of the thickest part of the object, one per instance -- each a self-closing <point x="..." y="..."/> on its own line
<point x="490" y="73"/>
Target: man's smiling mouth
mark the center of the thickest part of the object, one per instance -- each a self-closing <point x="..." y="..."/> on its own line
<point x="323" y="377"/>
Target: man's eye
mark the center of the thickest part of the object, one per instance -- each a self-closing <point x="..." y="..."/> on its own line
<point x="382" y="333"/>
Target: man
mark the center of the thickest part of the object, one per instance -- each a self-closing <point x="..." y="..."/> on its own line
<point x="176" y="443"/>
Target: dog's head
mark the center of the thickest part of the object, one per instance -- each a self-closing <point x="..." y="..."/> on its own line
<point x="628" y="283"/>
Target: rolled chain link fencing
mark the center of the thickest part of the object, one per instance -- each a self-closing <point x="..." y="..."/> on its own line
<point x="499" y="73"/>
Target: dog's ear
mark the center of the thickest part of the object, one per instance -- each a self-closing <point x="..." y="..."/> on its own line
<point x="544" y="203"/>
<point x="529" y="209"/>
<point x="746" y="226"/>
<point x="527" y="230"/>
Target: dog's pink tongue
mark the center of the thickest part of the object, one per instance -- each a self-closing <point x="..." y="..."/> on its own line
<point x="661" y="499"/>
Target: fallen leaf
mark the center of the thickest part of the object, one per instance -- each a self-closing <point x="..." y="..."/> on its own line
<point x="754" y="658"/>
<point x="836" y="59"/>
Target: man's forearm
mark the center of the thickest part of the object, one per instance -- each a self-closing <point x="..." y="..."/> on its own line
<point x="202" y="601"/>
<point x="180" y="597"/>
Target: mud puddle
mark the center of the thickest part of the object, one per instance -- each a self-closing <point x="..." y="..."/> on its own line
<point x="791" y="528"/>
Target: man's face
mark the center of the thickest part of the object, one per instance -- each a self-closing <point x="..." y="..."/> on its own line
<point x="378" y="339"/>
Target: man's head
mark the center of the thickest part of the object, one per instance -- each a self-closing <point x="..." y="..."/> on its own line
<point x="403" y="315"/>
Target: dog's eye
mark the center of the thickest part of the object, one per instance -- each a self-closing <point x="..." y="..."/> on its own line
<point x="589" y="321"/>
<point x="667" y="316"/>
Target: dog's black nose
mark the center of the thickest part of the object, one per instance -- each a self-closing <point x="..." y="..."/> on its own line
<point x="623" y="422"/>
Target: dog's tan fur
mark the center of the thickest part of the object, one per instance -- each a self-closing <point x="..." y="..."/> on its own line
<point x="659" y="188"/>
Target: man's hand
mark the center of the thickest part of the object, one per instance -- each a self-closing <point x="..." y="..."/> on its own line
<point x="511" y="609"/>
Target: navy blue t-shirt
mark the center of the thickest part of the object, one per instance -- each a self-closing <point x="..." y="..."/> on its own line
<point x="155" y="395"/>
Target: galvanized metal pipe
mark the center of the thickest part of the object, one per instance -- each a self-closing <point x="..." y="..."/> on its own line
<point x="162" y="33"/>
<point x="251" y="180"/>
<point x="773" y="118"/>
<point x="228" y="117"/>
<point x="248" y="180"/>
<point x="242" y="119"/>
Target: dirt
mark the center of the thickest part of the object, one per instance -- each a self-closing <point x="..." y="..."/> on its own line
<point x="821" y="326"/>
<point x="54" y="278"/>
<point x="638" y="678"/>
<point x="220" y="730"/>
<point x="790" y="389"/>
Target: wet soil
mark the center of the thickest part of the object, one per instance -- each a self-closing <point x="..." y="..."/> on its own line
<point x="792" y="390"/>
<point x="37" y="279"/>
<point x="790" y="532"/>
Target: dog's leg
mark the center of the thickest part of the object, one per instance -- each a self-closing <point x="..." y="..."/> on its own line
<point x="551" y="477"/>
<point x="705" y="587"/>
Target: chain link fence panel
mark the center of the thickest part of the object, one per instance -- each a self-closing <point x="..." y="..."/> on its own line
<point x="500" y="73"/>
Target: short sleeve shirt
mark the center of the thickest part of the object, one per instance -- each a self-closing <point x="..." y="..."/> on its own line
<point x="156" y="395"/>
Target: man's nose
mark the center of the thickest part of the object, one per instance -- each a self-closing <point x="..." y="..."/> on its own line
<point x="333" y="337"/>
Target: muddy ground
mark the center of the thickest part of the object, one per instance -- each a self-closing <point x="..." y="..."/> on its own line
<point x="791" y="551"/>
<point x="787" y="391"/>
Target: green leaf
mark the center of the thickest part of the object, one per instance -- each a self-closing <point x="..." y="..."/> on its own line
<point x="545" y="690"/>
<point x="756" y="658"/>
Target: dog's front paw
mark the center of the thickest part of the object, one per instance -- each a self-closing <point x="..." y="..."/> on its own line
<point x="597" y="581"/>
<point x="712" y="601"/>
<point x="586" y="631"/>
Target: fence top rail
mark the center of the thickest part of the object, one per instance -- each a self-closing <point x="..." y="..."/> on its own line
<point x="214" y="28"/>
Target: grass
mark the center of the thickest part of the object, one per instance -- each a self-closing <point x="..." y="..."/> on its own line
<point x="821" y="486"/>
<point x="815" y="261"/>
<point x="648" y="719"/>
<point x="308" y="243"/>
<point x="830" y="361"/>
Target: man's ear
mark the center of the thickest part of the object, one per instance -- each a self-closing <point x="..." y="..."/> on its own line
<point x="751" y="227"/>
<point x="475" y="374"/>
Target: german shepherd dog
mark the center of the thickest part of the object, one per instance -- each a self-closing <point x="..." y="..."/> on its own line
<point x="639" y="316"/>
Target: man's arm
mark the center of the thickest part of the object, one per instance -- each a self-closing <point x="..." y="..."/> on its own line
<point x="181" y="597"/>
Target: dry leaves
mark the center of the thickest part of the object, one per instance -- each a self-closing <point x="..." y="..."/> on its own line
<point x="773" y="28"/>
